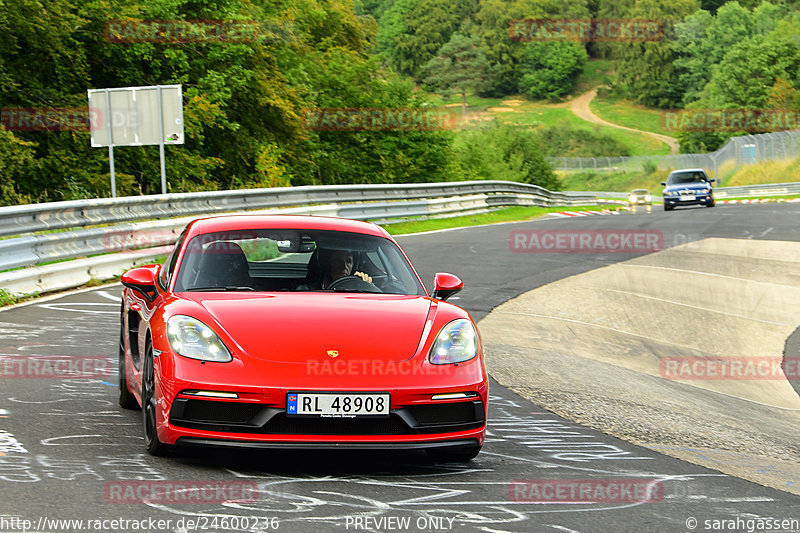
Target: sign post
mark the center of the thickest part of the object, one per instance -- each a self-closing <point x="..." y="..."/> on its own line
<point x="136" y="116"/>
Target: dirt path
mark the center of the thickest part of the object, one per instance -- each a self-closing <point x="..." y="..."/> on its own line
<point x="580" y="106"/>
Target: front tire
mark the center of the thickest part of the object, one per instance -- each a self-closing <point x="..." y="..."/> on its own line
<point x="667" y="208"/>
<point x="126" y="399"/>
<point x="149" y="420"/>
<point x="453" y="454"/>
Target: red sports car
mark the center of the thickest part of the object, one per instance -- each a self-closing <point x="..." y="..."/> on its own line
<point x="299" y="332"/>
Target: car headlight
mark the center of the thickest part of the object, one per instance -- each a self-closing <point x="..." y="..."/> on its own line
<point x="456" y="342"/>
<point x="191" y="338"/>
<point x="648" y="198"/>
<point x="632" y="199"/>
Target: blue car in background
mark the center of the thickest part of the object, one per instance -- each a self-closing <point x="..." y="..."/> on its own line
<point x="688" y="187"/>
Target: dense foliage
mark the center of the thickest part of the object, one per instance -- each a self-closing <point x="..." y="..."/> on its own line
<point x="247" y="101"/>
<point x="505" y="152"/>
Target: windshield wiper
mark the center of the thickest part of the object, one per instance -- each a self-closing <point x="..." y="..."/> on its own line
<point x="220" y="289"/>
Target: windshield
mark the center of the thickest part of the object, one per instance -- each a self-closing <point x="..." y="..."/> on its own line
<point x="295" y="260"/>
<point x="677" y="178"/>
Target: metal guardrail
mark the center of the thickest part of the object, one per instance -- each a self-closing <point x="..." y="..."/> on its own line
<point x="16" y="220"/>
<point x="142" y="241"/>
<point x="380" y="203"/>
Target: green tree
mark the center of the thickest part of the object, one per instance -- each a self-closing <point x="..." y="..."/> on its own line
<point x="334" y="157"/>
<point x="373" y="8"/>
<point x="244" y="102"/>
<point x="646" y="70"/>
<point x="608" y="9"/>
<point x="505" y="152"/>
<point x="783" y="95"/>
<point x="460" y="65"/>
<point x="391" y="25"/>
<point x="550" y="69"/>
<point x="16" y="158"/>
<point x="760" y="72"/>
<point x="504" y="54"/>
<point x="703" y="39"/>
<point x="413" y="31"/>
<point x="748" y="72"/>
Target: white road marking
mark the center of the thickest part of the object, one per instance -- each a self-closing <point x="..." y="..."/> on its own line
<point x="562" y="528"/>
<point x="114" y="297"/>
<point x="63" y="307"/>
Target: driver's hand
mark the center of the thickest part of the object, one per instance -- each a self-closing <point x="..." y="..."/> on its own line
<point x="362" y="275"/>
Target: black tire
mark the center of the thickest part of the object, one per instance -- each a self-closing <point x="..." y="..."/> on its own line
<point x="711" y="204"/>
<point x="667" y="208"/>
<point x="453" y="454"/>
<point x="126" y="399"/>
<point x="151" y="442"/>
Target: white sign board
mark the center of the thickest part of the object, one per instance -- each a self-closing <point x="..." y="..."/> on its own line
<point x="129" y="116"/>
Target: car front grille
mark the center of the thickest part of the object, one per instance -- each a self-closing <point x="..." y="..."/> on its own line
<point x="237" y="417"/>
<point x="223" y="412"/>
<point x="282" y="424"/>
<point x="448" y="413"/>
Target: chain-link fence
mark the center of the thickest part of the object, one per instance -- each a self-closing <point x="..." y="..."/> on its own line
<point x="738" y="151"/>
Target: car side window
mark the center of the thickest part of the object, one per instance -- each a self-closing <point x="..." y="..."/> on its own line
<point x="169" y="264"/>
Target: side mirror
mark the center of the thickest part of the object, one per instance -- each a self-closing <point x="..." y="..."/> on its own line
<point x="142" y="280"/>
<point x="712" y="180"/>
<point x="446" y="285"/>
<point x="664" y="183"/>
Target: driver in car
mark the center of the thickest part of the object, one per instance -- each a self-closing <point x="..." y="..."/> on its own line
<point x="338" y="265"/>
<point x="333" y="264"/>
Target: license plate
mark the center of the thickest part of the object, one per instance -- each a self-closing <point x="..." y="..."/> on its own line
<point x="687" y="197"/>
<point x="337" y="405"/>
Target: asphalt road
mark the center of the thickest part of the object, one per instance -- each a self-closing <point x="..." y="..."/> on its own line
<point x="67" y="451"/>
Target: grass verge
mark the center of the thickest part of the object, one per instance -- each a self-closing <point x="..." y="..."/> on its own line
<point x="781" y="171"/>
<point x="595" y="72"/>
<point x="614" y="181"/>
<point x="535" y="114"/>
<point x="507" y="214"/>
<point x="628" y="114"/>
<point x="9" y="298"/>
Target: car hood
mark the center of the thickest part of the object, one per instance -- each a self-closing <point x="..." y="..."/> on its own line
<point x="302" y="327"/>
<point x="693" y="187"/>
